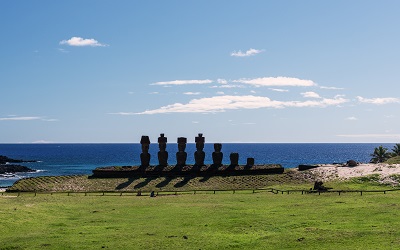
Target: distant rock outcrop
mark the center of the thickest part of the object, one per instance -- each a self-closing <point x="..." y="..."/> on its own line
<point x="352" y="163"/>
<point x="5" y="167"/>
<point x="5" y="159"/>
<point x="11" y="168"/>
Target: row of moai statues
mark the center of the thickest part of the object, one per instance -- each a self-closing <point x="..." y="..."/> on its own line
<point x="181" y="155"/>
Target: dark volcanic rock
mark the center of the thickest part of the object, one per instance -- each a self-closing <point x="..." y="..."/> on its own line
<point x="352" y="163"/>
<point x="5" y="159"/>
<point x="10" y="168"/>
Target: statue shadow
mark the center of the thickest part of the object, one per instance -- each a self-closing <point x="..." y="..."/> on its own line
<point x="125" y="184"/>
<point x="183" y="182"/>
<point x="164" y="182"/>
<point x="143" y="183"/>
<point x="205" y="178"/>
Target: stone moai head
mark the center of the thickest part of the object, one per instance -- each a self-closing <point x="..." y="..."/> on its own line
<point x="182" y="144"/>
<point x="234" y="157"/>
<point x="250" y="162"/>
<point x="217" y="147"/>
<point x="199" y="142"/>
<point x="162" y="142"/>
<point x="145" y="141"/>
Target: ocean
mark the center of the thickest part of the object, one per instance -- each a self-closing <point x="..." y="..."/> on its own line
<point x="77" y="159"/>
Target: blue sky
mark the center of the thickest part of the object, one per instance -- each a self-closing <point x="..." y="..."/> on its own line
<point x="236" y="71"/>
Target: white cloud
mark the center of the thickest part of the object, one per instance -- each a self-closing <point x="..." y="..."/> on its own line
<point x="220" y="93"/>
<point x="331" y="88"/>
<point x="26" y="118"/>
<point x="20" y="118"/>
<point x="277" y="82"/>
<point x="154" y="93"/>
<point x="351" y="118"/>
<point x="227" y="86"/>
<point x="228" y="102"/>
<point x="250" y="52"/>
<point x="192" y="93"/>
<point x="310" y="95"/>
<point x="253" y="91"/>
<point x="80" y="42"/>
<point x="279" y="90"/>
<point x="222" y="81"/>
<point x="378" y="101"/>
<point x="183" y="82"/>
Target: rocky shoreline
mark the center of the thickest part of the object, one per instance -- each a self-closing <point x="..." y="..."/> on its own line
<point x="6" y="167"/>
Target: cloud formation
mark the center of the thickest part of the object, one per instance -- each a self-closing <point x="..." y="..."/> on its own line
<point x="250" y="52"/>
<point x="279" y="90"/>
<point x="80" y="42"/>
<point x="26" y="118"/>
<point x="277" y="82"/>
<point x="192" y="93"/>
<point x="378" y="101"/>
<point x="229" y="102"/>
<point x="183" y="82"/>
<point x="310" y="95"/>
<point x="331" y="88"/>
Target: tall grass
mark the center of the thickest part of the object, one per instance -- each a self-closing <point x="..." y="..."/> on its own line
<point x="202" y="221"/>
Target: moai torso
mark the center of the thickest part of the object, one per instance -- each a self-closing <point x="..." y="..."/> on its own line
<point x="217" y="155"/>
<point x="181" y="155"/>
<point x="199" y="155"/>
<point x="145" y="156"/>
<point x="162" y="154"/>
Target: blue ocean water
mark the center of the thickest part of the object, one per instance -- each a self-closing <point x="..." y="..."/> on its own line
<point x="75" y="159"/>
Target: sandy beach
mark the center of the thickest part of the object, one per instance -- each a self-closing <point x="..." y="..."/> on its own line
<point x="386" y="172"/>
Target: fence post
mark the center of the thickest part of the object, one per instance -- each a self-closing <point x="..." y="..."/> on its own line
<point x="339" y="192"/>
<point x="214" y="191"/>
<point x="361" y="193"/>
<point x="234" y="191"/>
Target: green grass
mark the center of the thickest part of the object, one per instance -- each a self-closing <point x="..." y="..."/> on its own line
<point x="202" y="221"/>
<point x="84" y="183"/>
<point x="393" y="160"/>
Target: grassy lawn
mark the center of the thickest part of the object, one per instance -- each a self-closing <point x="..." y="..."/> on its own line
<point x="243" y="220"/>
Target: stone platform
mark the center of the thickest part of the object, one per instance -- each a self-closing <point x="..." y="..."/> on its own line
<point x="187" y="170"/>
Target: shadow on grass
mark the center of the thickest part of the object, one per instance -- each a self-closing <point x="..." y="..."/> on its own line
<point x="143" y="183"/>
<point x="125" y="184"/>
<point x="183" y="182"/>
<point x="164" y="182"/>
<point x="205" y="178"/>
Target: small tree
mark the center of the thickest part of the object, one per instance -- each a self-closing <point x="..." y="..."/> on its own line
<point x="396" y="150"/>
<point x="380" y="154"/>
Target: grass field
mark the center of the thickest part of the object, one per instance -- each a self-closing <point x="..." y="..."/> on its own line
<point x="243" y="220"/>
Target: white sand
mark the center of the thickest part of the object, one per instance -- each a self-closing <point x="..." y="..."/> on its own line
<point x="385" y="172"/>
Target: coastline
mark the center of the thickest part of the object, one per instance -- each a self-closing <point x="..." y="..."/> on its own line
<point x="385" y="172"/>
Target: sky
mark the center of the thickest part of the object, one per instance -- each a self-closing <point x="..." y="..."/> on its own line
<point x="236" y="71"/>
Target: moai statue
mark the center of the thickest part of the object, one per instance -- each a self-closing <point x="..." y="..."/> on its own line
<point x="217" y="155"/>
<point x="199" y="155"/>
<point x="234" y="157"/>
<point x="145" y="156"/>
<point x="250" y="162"/>
<point x="162" y="154"/>
<point x="181" y="155"/>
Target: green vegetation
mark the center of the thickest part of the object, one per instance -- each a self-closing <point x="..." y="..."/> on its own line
<point x="202" y="221"/>
<point x="380" y="154"/>
<point x="396" y="150"/>
<point x="85" y="183"/>
<point x="393" y="160"/>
